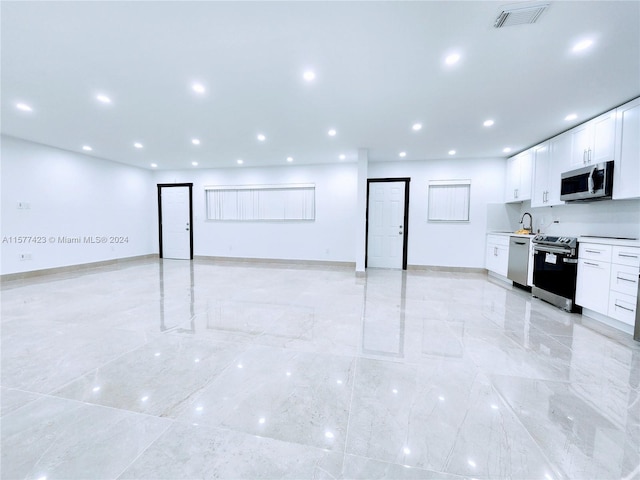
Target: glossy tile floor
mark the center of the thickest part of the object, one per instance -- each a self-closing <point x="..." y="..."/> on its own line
<point x="202" y="370"/>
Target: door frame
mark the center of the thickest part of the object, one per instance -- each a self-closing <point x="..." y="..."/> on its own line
<point x="405" y="235"/>
<point x="169" y="185"/>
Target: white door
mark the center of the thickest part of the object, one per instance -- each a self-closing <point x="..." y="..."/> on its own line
<point x="176" y="227"/>
<point x="386" y="225"/>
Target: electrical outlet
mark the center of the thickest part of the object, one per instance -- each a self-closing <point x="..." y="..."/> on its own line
<point x="25" y="256"/>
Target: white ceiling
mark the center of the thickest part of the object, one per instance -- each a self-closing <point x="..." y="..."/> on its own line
<point x="379" y="69"/>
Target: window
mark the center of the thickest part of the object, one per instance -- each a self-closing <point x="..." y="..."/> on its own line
<point x="449" y="200"/>
<point x="261" y="202"/>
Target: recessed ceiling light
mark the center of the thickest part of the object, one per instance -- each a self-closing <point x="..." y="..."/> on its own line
<point x="24" y="107"/>
<point x="154" y="165"/>
<point x="451" y="59"/>
<point x="198" y="88"/>
<point x="417" y="126"/>
<point x="571" y="116"/>
<point x="506" y="149"/>
<point x="488" y="123"/>
<point x="138" y="145"/>
<point x="195" y="164"/>
<point x="342" y="156"/>
<point x="402" y="154"/>
<point x="289" y="159"/>
<point x="239" y="161"/>
<point x="332" y="133"/>
<point x="87" y="148"/>
<point x="103" y="98"/>
<point x="452" y="152"/>
<point x="261" y="137"/>
<point x="583" y="45"/>
<point x="309" y="75"/>
<point x="195" y="141"/>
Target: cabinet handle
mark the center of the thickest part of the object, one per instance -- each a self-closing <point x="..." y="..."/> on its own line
<point x="594" y="251"/>
<point x="584" y="156"/>
<point x="624" y="308"/>
<point x="589" y="156"/>
<point x="592" y="264"/>
<point x="627" y="256"/>
<point x="626" y="279"/>
<point x="495" y="251"/>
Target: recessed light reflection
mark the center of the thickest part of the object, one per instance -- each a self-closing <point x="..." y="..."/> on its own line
<point x="195" y="164"/>
<point x="261" y="137"/>
<point x="103" y="98"/>
<point x="239" y="365"/>
<point x="571" y="116"/>
<point x="406" y="450"/>
<point x="157" y="354"/>
<point x="452" y="59"/>
<point x="395" y="390"/>
<point x="87" y="148"/>
<point x="309" y="75"/>
<point x="24" y="107"/>
<point x="471" y="463"/>
<point x="239" y="161"/>
<point x="488" y="123"/>
<point x="42" y="478"/>
<point x="506" y="149"/>
<point x="289" y="159"/>
<point x="342" y="156"/>
<point x="199" y="408"/>
<point x="494" y="406"/>
<point x="288" y="374"/>
<point x="154" y="165"/>
<point x="198" y="88"/>
<point x="339" y="382"/>
<point x="441" y="398"/>
<point x="197" y="360"/>
<point x="548" y="477"/>
<point x="452" y="152"/>
<point x="96" y="389"/>
<point x="329" y="434"/>
<point x="332" y="133"/>
<point x="195" y="141"/>
<point x="261" y="420"/>
<point x="145" y="398"/>
<point x="402" y="154"/>
<point x="138" y="145"/>
<point x="416" y="127"/>
<point x="583" y="45"/>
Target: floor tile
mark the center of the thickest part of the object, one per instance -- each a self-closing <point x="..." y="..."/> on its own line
<point x="56" y="438"/>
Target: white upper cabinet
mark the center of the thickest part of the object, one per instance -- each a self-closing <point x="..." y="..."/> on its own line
<point x="518" y="184"/>
<point x="550" y="159"/>
<point x="626" y="170"/>
<point x="594" y="141"/>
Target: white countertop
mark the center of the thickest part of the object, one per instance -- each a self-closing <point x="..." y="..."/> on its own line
<point x="610" y="241"/>
<point x="510" y="234"/>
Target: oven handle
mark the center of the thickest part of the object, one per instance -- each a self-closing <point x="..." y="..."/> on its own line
<point x="544" y="248"/>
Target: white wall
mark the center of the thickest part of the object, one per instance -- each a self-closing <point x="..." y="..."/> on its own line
<point x="447" y="244"/>
<point x="70" y="195"/>
<point x="329" y="238"/>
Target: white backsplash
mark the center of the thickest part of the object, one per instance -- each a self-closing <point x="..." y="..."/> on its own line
<point x="607" y="218"/>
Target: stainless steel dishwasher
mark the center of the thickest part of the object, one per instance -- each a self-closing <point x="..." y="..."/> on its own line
<point x="518" y="260"/>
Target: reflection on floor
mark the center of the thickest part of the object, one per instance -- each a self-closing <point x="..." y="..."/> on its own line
<point x="172" y="369"/>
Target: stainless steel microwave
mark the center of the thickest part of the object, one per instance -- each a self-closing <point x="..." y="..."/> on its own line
<point x="594" y="182"/>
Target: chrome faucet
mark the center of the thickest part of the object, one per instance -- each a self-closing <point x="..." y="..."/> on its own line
<point x="530" y="222"/>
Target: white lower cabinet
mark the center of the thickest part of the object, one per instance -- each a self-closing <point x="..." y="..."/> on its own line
<point x="592" y="285"/>
<point x="607" y="280"/>
<point x="497" y="254"/>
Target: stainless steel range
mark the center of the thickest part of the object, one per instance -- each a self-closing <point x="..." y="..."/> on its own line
<point x="555" y="266"/>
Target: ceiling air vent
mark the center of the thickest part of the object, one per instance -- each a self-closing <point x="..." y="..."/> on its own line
<point x="519" y="14"/>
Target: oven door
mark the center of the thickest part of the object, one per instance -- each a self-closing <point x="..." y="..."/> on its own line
<point x="554" y="270"/>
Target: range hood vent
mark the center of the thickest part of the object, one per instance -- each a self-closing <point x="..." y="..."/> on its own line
<point x="519" y="14"/>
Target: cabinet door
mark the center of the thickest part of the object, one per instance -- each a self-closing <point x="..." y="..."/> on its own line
<point x="559" y="161"/>
<point x="626" y="170"/>
<point x="602" y="148"/>
<point x="525" y="161"/>
<point x="580" y="136"/>
<point x="592" y="285"/>
<point x="540" y="188"/>
<point x="512" y="180"/>
<point x="502" y="262"/>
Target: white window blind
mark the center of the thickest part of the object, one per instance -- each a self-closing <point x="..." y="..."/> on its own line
<point x="261" y="202"/>
<point x="449" y="200"/>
